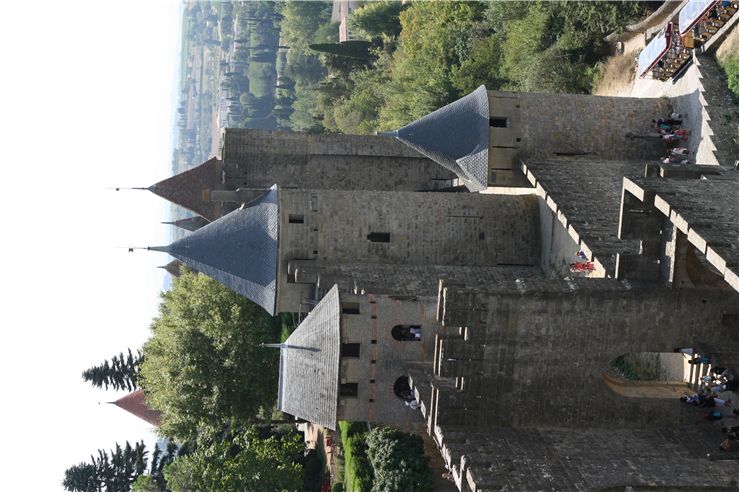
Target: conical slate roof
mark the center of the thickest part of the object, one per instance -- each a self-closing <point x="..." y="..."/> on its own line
<point x="186" y="189"/>
<point x="455" y="136"/>
<point x="239" y="250"/>
<point x="189" y="223"/>
<point x="135" y="403"/>
<point x="309" y="365"/>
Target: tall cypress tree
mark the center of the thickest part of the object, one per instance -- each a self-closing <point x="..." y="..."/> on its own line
<point x="122" y="373"/>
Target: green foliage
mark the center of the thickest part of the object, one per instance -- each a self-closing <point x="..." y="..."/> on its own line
<point x="337" y="486"/>
<point x="246" y="463"/>
<point x="352" y="49"/>
<point x="312" y="476"/>
<point x="145" y="483"/>
<point x="729" y="64"/>
<point x="302" y="21"/>
<point x="122" y="373"/>
<point x="376" y="19"/>
<point x="398" y="461"/>
<point x="114" y="472"/>
<point x="358" y="473"/>
<point x="203" y="365"/>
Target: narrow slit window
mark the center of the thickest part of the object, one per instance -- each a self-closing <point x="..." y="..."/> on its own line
<point x="348" y="390"/>
<point x="350" y="350"/>
<point x="379" y="237"/>
<point x="349" y="308"/>
<point x="295" y="218"/>
<point x="498" y="122"/>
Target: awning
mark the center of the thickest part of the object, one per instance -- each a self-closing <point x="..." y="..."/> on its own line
<point x="654" y="51"/>
<point x="692" y="13"/>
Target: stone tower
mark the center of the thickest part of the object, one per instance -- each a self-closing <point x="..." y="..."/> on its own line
<point x="284" y="248"/>
<point x="483" y="136"/>
<point x="254" y="160"/>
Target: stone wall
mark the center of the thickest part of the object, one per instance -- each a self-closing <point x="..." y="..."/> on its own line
<point x="585" y="195"/>
<point x="399" y="280"/>
<point x="704" y="210"/>
<point x="532" y="352"/>
<point x="542" y="459"/>
<point x="261" y="158"/>
<point x="577" y="127"/>
<point x="447" y="229"/>
<point x="382" y="358"/>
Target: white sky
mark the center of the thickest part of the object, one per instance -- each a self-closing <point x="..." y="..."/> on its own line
<point x="87" y="103"/>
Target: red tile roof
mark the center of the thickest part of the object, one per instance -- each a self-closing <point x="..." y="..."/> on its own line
<point x="135" y="403"/>
<point x="186" y="189"/>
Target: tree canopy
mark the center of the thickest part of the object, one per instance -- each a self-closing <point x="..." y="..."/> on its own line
<point x="246" y="463"/>
<point x="203" y="365"/>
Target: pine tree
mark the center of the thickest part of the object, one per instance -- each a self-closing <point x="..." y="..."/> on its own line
<point x="114" y="472"/>
<point x="122" y="373"/>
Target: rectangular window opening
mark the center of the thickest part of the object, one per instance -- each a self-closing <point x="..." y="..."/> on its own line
<point x="350" y="350"/>
<point x="498" y="122"/>
<point x="295" y="218"/>
<point x="379" y="237"/>
<point x="350" y="308"/>
<point x="348" y="390"/>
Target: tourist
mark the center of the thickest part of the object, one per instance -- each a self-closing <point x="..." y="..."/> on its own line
<point x="680" y="150"/>
<point x="413" y="404"/>
<point x="415" y="331"/>
<point x="582" y="267"/>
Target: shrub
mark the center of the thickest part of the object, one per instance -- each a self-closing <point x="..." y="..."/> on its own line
<point x="398" y="461"/>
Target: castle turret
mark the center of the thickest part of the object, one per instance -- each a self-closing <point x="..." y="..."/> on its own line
<point x="189" y="223"/>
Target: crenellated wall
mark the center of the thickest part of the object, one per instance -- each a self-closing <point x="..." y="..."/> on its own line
<point x="542" y="346"/>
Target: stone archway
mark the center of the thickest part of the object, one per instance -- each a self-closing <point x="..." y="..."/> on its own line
<point x="648" y="375"/>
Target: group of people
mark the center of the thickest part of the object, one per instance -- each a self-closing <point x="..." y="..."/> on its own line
<point x="670" y="131"/>
<point x="714" y="19"/>
<point x="718" y="380"/>
<point x="581" y="265"/>
<point x="676" y="56"/>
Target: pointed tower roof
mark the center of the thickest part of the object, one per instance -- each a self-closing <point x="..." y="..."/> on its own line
<point x="309" y="365"/>
<point x="173" y="267"/>
<point x="239" y="250"/>
<point x="186" y="189"/>
<point x="455" y="136"/>
<point x="135" y="403"/>
<point x="189" y="223"/>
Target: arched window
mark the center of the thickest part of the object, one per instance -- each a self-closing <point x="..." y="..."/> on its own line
<point x="402" y="389"/>
<point x="406" y="332"/>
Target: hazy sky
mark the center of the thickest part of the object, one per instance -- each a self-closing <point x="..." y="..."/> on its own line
<point x="87" y="94"/>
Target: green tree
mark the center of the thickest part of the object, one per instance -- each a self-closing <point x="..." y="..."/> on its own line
<point x="246" y="463"/>
<point x="301" y="21"/>
<point x="352" y="49"/>
<point x="398" y="461"/>
<point x="375" y="19"/>
<point x="122" y="373"/>
<point x="82" y="477"/>
<point x="203" y="365"/>
<point x="114" y="472"/>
